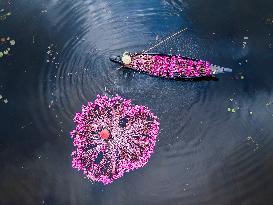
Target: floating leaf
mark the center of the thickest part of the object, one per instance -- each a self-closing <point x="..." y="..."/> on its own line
<point x="229" y="109"/>
<point x="12" y="42"/>
<point x="269" y="103"/>
<point x="233" y="110"/>
<point x="1" y="54"/>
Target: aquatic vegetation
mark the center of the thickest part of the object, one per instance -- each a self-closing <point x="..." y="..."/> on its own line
<point x="4" y="14"/>
<point x="112" y="137"/>
<point x="231" y="110"/>
<point x="234" y="107"/>
<point x="52" y="55"/>
<point x="4" y="100"/>
<point x="3" y="42"/>
<point x="269" y="103"/>
<point x="12" y="42"/>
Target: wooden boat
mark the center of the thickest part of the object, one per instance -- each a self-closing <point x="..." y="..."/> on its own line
<point x="168" y="66"/>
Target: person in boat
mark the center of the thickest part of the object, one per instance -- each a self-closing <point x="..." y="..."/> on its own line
<point x="126" y="58"/>
<point x="140" y="62"/>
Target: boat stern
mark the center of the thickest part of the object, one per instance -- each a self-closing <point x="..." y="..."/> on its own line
<point x="218" y="69"/>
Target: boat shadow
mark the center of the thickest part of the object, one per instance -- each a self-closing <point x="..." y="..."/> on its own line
<point x="195" y="79"/>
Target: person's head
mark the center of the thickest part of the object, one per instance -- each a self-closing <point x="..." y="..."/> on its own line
<point x="104" y="134"/>
<point x="126" y="58"/>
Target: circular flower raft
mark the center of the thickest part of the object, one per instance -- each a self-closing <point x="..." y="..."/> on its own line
<point x="112" y="136"/>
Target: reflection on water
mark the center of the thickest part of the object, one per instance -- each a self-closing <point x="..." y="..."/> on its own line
<point x="206" y="153"/>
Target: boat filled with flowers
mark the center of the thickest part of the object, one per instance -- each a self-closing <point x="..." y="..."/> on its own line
<point x="168" y="66"/>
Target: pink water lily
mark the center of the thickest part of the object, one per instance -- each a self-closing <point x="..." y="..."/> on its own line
<point x="170" y="66"/>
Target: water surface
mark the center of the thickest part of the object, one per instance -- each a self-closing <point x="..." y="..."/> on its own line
<point x="205" y="154"/>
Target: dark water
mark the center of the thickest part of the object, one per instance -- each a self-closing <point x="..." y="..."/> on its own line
<point x="205" y="154"/>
